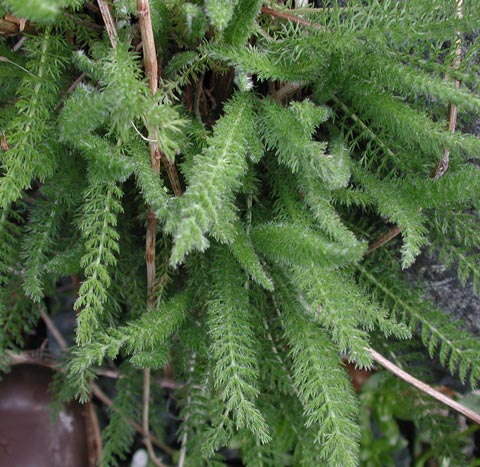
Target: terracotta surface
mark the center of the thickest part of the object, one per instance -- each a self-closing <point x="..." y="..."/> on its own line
<point x="28" y="435"/>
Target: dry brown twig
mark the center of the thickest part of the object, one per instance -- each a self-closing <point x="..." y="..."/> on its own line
<point x="99" y="394"/>
<point x="94" y="435"/>
<point x="387" y="364"/>
<point x="383" y="239"/>
<point x="71" y="88"/>
<point x="439" y="170"/>
<point x="151" y="70"/>
<point x="32" y="358"/>
<point x="3" y="142"/>
<point x="57" y="335"/>
<point x="109" y="23"/>
<point x="94" y="438"/>
<point x="442" y="165"/>
<point x="290" y="17"/>
<point x="460" y="408"/>
<point x="26" y="357"/>
<point x="149" y="51"/>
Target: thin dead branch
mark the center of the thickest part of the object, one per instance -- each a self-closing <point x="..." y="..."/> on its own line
<point x="57" y="335"/>
<point x="99" y="394"/>
<point x="7" y="27"/>
<point x="149" y="51"/>
<point x="109" y="23"/>
<point x="18" y="45"/>
<point x="146" y="418"/>
<point x="151" y="70"/>
<point x="31" y="358"/>
<point x="96" y="390"/>
<point x="3" y="143"/>
<point x="172" y="174"/>
<point x="290" y="17"/>
<point x="183" y="442"/>
<point x="442" y="165"/>
<point x="94" y="436"/>
<point x="421" y="386"/>
<point x="71" y="88"/>
<point x="383" y="239"/>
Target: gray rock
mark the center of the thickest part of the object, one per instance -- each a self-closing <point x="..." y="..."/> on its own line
<point x="443" y="288"/>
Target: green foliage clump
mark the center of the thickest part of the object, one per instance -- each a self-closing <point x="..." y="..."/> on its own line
<point x="286" y="140"/>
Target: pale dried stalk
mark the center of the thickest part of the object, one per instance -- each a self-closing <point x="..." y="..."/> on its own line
<point x="287" y="90"/>
<point x="145" y="419"/>
<point x="290" y="17"/>
<point x="32" y="358"/>
<point x="94" y="436"/>
<point x="91" y="415"/>
<point x="166" y="383"/>
<point x="149" y="51"/>
<point x="25" y="357"/>
<point x="108" y="402"/>
<point x="420" y="385"/>
<point x="53" y="330"/>
<point x="443" y="163"/>
<point x="383" y="239"/>
<point x="151" y="70"/>
<point x="8" y="27"/>
<point x="183" y="448"/>
<point x="109" y="23"/>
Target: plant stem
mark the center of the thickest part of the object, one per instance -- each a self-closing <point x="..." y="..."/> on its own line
<point x="148" y="43"/>
<point x="94" y="435"/>
<point x="384" y="238"/>
<point x="290" y="17"/>
<point x="442" y="165"/>
<point x="420" y="385"/>
<point x="95" y="448"/>
<point x="53" y="329"/>
<point x="152" y="439"/>
<point x="183" y="443"/>
<point x="109" y="23"/>
<point x="96" y="390"/>
<point x="151" y="70"/>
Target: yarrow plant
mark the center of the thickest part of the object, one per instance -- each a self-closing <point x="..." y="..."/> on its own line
<point x="236" y="187"/>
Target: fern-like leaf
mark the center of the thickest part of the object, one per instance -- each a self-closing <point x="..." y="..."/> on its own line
<point x="319" y="379"/>
<point x="101" y="244"/>
<point x="215" y="178"/>
<point x="233" y="348"/>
